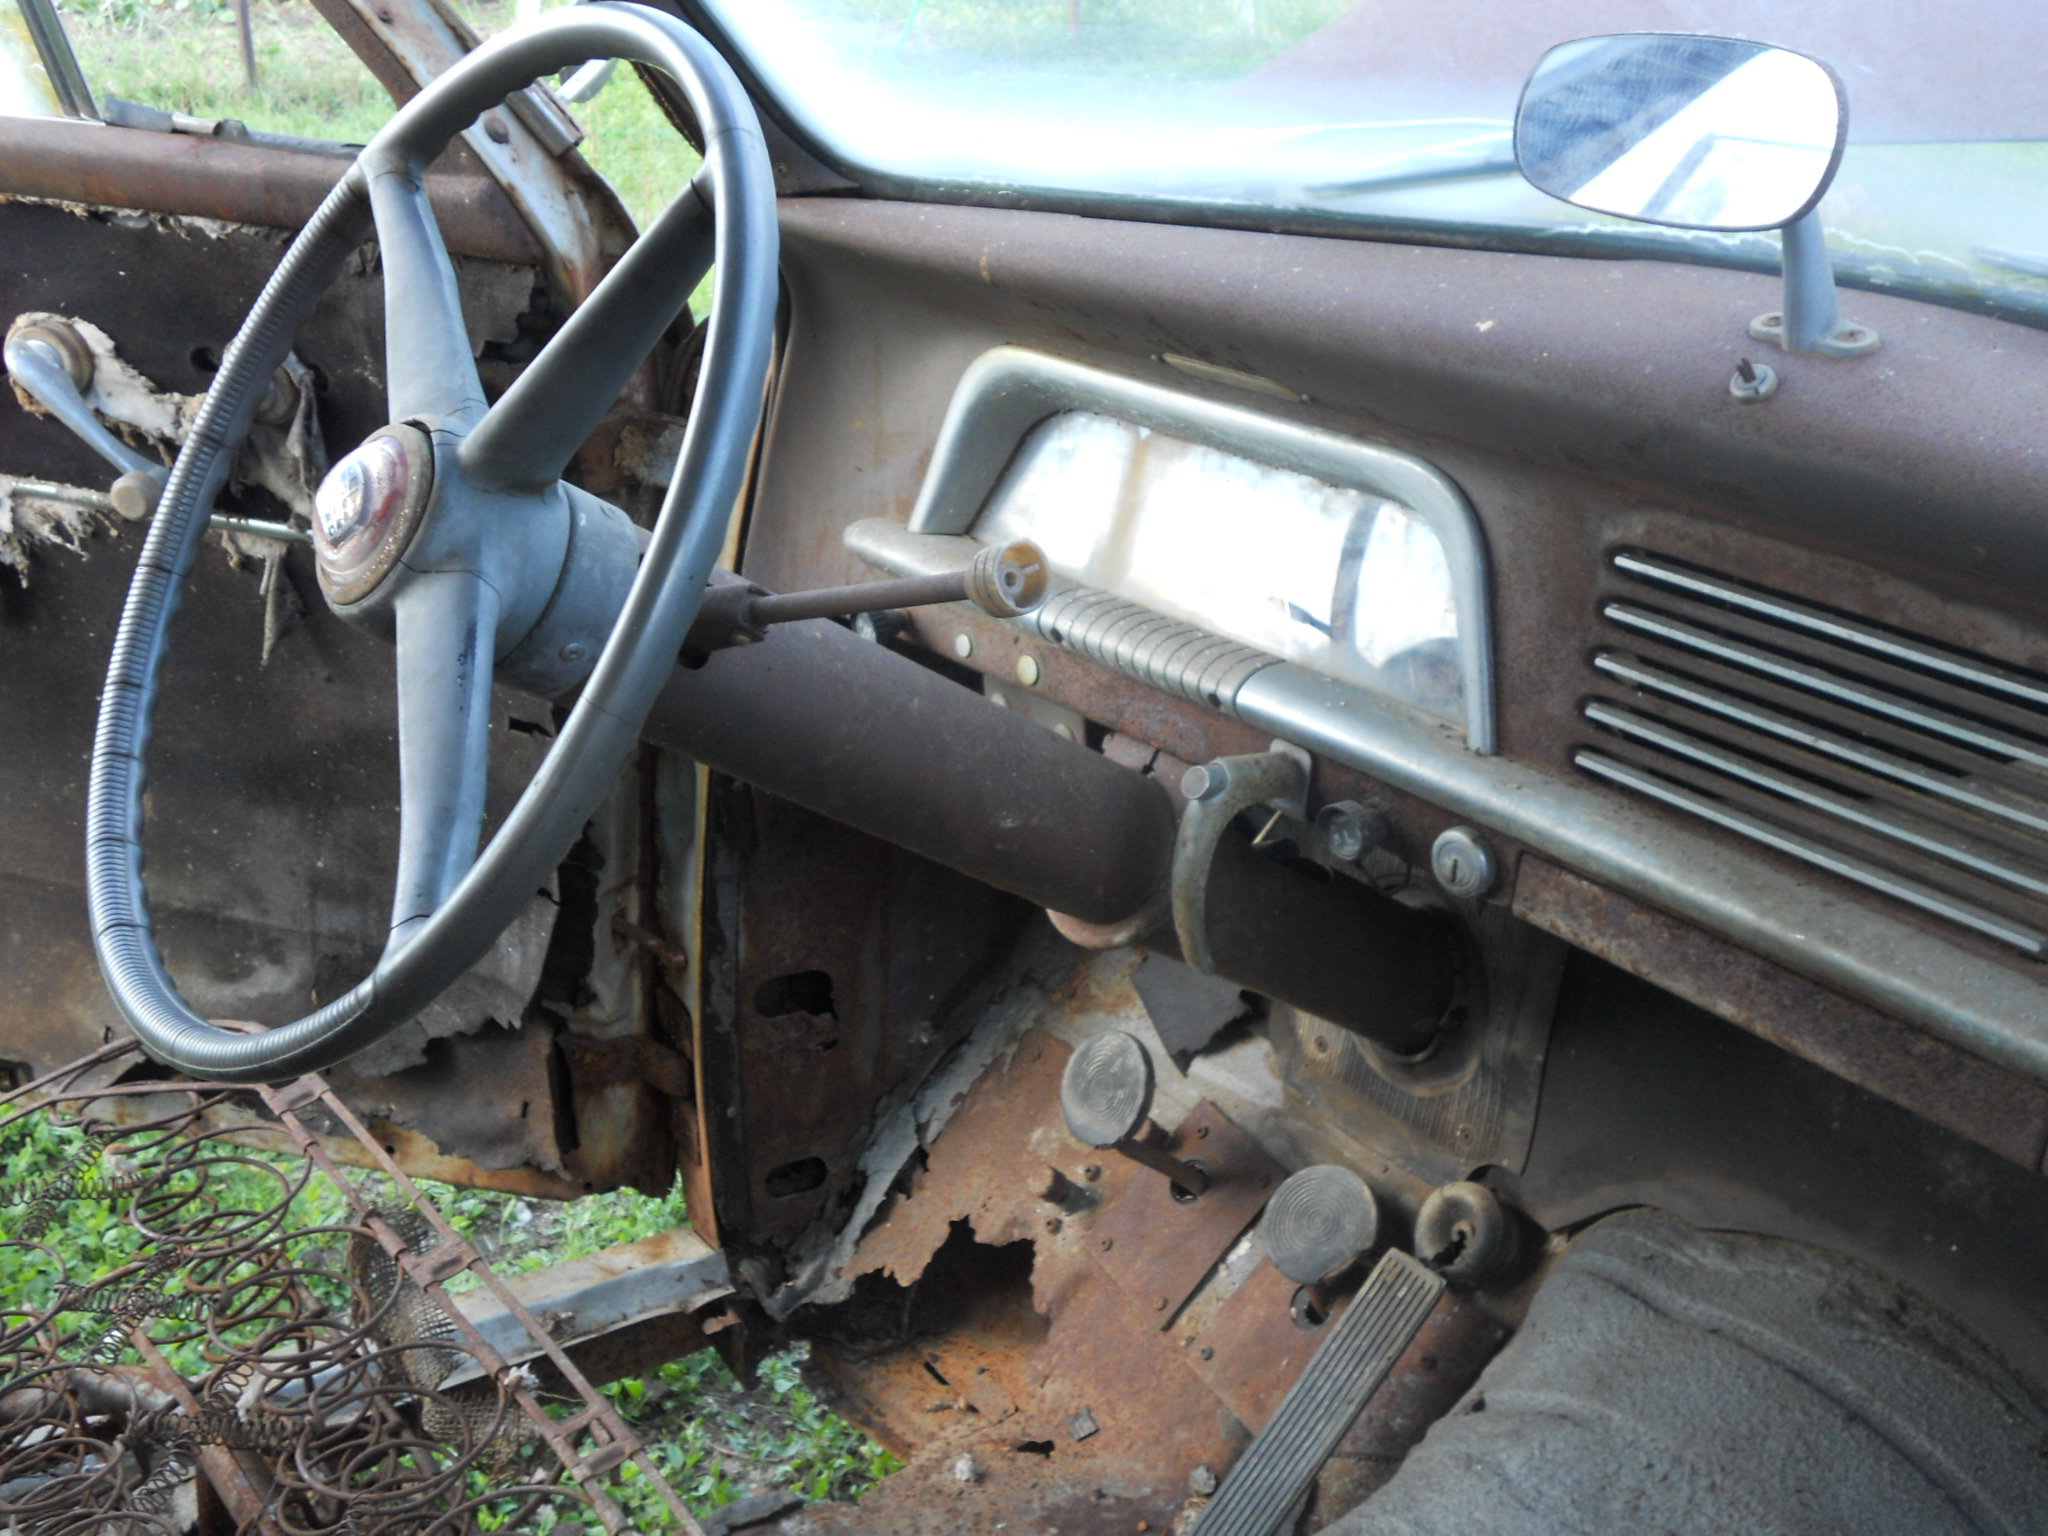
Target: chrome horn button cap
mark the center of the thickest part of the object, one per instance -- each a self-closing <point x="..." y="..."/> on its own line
<point x="368" y="509"/>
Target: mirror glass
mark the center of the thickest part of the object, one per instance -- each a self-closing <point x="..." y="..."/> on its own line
<point x="1700" y="132"/>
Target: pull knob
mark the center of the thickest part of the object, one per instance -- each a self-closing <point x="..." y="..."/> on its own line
<point x="1106" y="1096"/>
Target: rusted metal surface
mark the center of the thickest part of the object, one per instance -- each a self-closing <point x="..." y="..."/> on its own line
<point x="990" y="1322"/>
<point x="1522" y="377"/>
<point x="244" y="183"/>
<point x="1249" y="1351"/>
<point x="1954" y="1090"/>
<point x="867" y="737"/>
<point x="1012" y="1346"/>
<point x="847" y="956"/>
<point x="577" y="219"/>
<point x="1160" y="1248"/>
<point x="309" y="1386"/>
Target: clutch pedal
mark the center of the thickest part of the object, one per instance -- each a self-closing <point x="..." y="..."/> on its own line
<point x="1383" y="1320"/>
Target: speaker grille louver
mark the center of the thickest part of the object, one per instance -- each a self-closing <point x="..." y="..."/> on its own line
<point x="1899" y="764"/>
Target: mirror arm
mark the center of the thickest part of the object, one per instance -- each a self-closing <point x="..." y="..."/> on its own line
<point x="1811" y="321"/>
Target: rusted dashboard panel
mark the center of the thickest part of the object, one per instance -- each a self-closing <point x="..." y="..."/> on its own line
<point x="1581" y="406"/>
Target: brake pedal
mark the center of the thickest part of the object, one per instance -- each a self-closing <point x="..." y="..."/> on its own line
<point x="1385" y="1316"/>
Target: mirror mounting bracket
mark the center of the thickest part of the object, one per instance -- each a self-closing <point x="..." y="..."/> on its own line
<point x="1811" y="321"/>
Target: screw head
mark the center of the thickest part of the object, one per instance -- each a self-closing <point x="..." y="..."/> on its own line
<point x="1106" y="1244"/>
<point x="1207" y="1353"/>
<point x="1462" y="863"/>
<point x="575" y="650"/>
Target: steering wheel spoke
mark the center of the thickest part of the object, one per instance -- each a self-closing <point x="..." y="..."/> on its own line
<point x="529" y="436"/>
<point x="447" y="625"/>
<point x="429" y="370"/>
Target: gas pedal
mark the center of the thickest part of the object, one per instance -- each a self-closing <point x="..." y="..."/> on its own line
<point x="1382" y="1321"/>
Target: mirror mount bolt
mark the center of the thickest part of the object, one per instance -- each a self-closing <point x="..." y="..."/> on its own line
<point x="1753" y="382"/>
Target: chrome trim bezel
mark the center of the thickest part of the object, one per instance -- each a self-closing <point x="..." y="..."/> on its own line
<point x="1008" y="391"/>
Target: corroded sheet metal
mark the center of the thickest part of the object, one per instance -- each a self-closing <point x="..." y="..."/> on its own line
<point x="1970" y="1097"/>
<point x="1022" y="1372"/>
<point x="178" y="173"/>
<point x="1160" y="1249"/>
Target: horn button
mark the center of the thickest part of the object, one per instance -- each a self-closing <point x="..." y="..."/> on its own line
<point x="368" y="508"/>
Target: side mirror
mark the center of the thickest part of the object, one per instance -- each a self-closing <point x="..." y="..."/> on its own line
<point x="1708" y="133"/>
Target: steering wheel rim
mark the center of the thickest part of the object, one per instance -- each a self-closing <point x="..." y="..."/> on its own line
<point x="642" y="644"/>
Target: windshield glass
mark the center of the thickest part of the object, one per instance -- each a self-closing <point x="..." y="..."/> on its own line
<point x="1311" y="113"/>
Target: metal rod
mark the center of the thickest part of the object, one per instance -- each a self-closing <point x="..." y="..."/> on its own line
<point x="867" y="597"/>
<point x="248" y="39"/>
<point x="1184" y="1176"/>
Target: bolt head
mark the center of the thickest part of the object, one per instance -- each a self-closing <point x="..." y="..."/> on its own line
<point x="963" y="646"/>
<point x="1027" y="670"/>
<point x="1350" y="830"/>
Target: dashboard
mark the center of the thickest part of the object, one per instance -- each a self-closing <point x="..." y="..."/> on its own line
<point x="1516" y="560"/>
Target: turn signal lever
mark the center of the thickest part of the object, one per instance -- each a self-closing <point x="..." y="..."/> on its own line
<point x="1004" y="581"/>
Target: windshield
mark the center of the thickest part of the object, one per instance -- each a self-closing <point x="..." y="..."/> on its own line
<point x="1397" y="116"/>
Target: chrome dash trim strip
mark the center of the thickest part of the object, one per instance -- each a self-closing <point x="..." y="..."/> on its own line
<point x="1823" y="743"/>
<point x="1918" y="895"/>
<point x="1813" y="621"/>
<point x="1910" y="712"/>
<point x="1711" y="754"/>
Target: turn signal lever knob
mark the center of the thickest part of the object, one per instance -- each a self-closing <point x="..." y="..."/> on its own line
<point x="1106" y="1096"/>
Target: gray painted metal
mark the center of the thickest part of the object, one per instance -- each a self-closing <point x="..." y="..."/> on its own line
<point x="1669" y="1379"/>
<point x="1007" y="391"/>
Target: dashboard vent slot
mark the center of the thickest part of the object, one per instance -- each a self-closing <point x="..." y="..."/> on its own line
<point x="1903" y="765"/>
